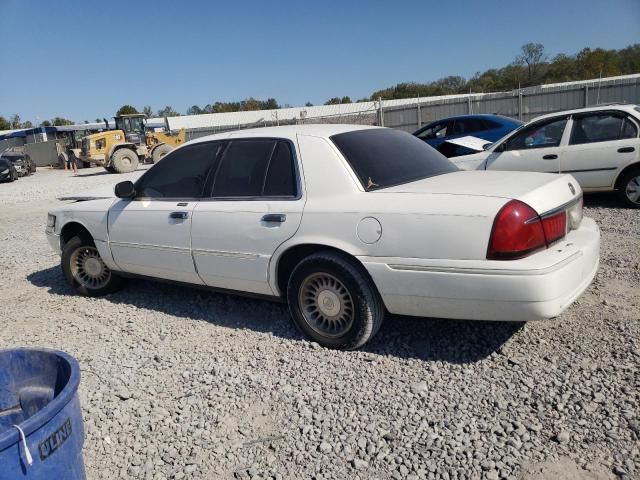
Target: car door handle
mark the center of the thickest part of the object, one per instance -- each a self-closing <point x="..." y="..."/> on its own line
<point x="274" y="218"/>
<point x="551" y="156"/>
<point x="179" y="215"/>
<point x="626" y="150"/>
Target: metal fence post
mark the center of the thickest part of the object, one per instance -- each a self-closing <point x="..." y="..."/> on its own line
<point x="419" y="114"/>
<point x="586" y="95"/>
<point x="381" y="112"/>
<point x="519" y="104"/>
<point x="469" y="106"/>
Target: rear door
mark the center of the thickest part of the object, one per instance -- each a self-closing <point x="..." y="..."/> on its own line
<point x="151" y="233"/>
<point x="536" y="148"/>
<point x="601" y="143"/>
<point x="255" y="205"/>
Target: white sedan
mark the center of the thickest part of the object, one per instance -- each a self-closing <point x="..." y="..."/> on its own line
<point x="346" y="223"/>
<point x="599" y="146"/>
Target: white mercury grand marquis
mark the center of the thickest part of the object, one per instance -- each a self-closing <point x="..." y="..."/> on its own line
<point x="346" y="223"/>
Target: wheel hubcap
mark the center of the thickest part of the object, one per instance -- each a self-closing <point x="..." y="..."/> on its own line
<point x="88" y="269"/>
<point x="326" y="304"/>
<point x="633" y="189"/>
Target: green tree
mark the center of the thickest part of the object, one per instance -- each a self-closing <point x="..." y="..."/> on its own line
<point x="168" y="111"/>
<point x="46" y="123"/>
<point x="531" y="55"/>
<point x="195" y="110"/>
<point x="4" y="124"/>
<point x="147" y="111"/>
<point x="98" y="120"/>
<point x="59" y="121"/>
<point x="126" y="110"/>
<point x="27" y="124"/>
<point x="308" y="104"/>
<point x="333" y="101"/>
<point x="15" y="121"/>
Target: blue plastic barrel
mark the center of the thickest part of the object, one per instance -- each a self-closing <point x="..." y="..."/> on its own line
<point x="41" y="431"/>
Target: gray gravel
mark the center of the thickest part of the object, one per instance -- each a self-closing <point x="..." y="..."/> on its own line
<point x="181" y="383"/>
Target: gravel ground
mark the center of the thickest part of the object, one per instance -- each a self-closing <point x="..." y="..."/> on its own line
<point x="182" y="383"/>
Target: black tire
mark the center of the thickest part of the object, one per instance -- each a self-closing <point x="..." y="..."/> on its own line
<point x="76" y="248"/>
<point x="361" y="299"/>
<point x="160" y="151"/>
<point x="124" y="160"/>
<point x="86" y="164"/>
<point x="629" y="188"/>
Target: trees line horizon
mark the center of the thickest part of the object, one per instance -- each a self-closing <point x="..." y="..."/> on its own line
<point x="530" y="67"/>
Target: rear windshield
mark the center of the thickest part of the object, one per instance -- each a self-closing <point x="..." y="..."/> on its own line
<point x="382" y="157"/>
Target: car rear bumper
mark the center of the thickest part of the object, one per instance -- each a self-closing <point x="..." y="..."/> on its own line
<point x="537" y="287"/>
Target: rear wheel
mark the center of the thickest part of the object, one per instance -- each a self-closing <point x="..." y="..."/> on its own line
<point x="333" y="301"/>
<point x="85" y="271"/>
<point x="160" y="152"/>
<point x="124" y="160"/>
<point x="629" y="190"/>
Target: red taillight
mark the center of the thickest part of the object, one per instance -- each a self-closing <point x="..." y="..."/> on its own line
<point x="518" y="231"/>
<point x="555" y="227"/>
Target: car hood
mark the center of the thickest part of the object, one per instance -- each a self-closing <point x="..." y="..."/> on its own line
<point x="542" y="191"/>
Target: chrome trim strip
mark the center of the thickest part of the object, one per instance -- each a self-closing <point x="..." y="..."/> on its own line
<point x="149" y="246"/>
<point x="222" y="253"/>
<point x="483" y="271"/>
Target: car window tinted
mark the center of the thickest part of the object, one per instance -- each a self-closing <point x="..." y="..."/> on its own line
<point x="474" y="125"/>
<point x="243" y="167"/>
<point x="383" y="157"/>
<point x="540" y="135"/>
<point x="180" y="174"/>
<point x="601" y="127"/>
<point x="435" y="131"/>
<point x="490" y="124"/>
<point x="281" y="178"/>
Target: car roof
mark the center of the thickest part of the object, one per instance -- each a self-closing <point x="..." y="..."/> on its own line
<point x="286" y="131"/>
<point x="625" y="107"/>
<point x="489" y="116"/>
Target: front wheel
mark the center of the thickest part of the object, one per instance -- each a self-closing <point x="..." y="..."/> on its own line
<point x="160" y="152"/>
<point x="333" y="301"/>
<point x="85" y="271"/>
<point x="124" y="160"/>
<point x="630" y="188"/>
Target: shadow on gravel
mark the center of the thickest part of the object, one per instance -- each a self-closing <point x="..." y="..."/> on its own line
<point x="453" y="341"/>
<point x="603" y="200"/>
<point x="94" y="174"/>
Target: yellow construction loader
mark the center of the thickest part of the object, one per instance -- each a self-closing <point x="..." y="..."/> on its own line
<point x="122" y="149"/>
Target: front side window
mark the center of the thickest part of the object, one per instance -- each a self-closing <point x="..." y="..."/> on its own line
<point x="181" y="174"/>
<point x="541" y="135"/>
<point x="438" y="130"/>
<point x="382" y="157"/>
<point x="601" y="127"/>
<point x="256" y="168"/>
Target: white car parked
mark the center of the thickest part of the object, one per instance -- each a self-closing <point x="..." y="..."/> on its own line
<point x="599" y="146"/>
<point x="343" y="222"/>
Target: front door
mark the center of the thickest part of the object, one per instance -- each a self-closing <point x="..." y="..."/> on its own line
<point x="536" y="148"/>
<point x="151" y="233"/>
<point x="255" y="205"/>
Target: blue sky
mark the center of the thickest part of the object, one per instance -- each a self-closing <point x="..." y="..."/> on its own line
<point x="84" y="59"/>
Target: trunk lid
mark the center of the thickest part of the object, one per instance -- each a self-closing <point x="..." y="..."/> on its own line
<point x="543" y="192"/>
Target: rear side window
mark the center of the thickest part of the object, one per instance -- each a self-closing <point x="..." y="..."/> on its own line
<point x="432" y="132"/>
<point x="490" y="124"/>
<point x="382" y="157"/>
<point x="601" y="127"/>
<point x="181" y="174"/>
<point x="256" y="168"/>
<point x="474" y="125"/>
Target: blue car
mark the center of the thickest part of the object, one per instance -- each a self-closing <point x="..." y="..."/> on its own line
<point x="487" y="127"/>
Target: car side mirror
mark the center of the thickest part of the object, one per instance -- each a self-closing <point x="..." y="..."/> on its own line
<point x="125" y="189"/>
